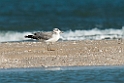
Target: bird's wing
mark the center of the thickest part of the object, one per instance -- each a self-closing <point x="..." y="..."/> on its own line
<point x="43" y="35"/>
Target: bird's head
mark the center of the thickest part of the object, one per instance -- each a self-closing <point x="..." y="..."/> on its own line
<point x="56" y="30"/>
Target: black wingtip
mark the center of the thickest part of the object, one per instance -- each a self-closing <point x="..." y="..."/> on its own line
<point x="28" y="36"/>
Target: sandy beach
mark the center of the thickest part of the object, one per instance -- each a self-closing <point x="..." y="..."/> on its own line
<point x="63" y="53"/>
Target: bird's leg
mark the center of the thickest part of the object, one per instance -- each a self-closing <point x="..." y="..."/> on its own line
<point x="49" y="47"/>
<point x="52" y="49"/>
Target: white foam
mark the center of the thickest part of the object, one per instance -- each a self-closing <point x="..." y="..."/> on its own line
<point x="92" y="34"/>
<point x="53" y="68"/>
<point x="12" y="36"/>
<point x="68" y="35"/>
<point x="123" y="31"/>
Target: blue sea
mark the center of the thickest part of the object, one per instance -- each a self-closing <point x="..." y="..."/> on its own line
<point x="93" y="74"/>
<point x="79" y="19"/>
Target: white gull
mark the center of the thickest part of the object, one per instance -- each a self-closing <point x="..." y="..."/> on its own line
<point x="48" y="37"/>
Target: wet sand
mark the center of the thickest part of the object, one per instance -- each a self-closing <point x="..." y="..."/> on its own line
<point x="63" y="53"/>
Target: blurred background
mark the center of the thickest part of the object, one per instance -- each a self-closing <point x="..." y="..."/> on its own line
<point x="78" y="18"/>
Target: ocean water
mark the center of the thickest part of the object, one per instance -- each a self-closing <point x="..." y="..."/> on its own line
<point x="79" y="19"/>
<point x="93" y="74"/>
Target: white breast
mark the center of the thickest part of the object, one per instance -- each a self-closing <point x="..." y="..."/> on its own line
<point x="54" y="38"/>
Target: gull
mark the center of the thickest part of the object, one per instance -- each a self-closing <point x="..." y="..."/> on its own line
<point x="48" y="37"/>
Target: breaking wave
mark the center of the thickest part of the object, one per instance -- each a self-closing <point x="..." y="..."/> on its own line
<point x="94" y="34"/>
<point x="12" y="36"/>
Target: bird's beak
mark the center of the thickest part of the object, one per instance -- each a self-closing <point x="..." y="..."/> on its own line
<point x="62" y="31"/>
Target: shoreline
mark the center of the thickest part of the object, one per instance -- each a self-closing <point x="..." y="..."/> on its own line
<point x="64" y="53"/>
<point x="64" y="68"/>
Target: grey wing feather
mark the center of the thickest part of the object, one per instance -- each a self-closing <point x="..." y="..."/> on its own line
<point x="43" y="35"/>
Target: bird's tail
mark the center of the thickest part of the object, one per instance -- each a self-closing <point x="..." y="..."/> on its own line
<point x="29" y="36"/>
<point x="32" y="37"/>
